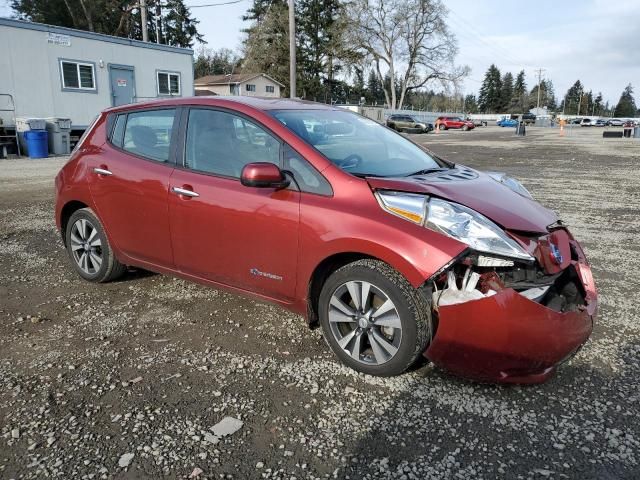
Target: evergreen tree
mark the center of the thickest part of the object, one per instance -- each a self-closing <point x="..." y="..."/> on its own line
<point x="375" y="92"/>
<point x="506" y="92"/>
<point x="490" y="98"/>
<point x="626" y="105"/>
<point x="114" y="17"/>
<point x="572" y="98"/>
<point x="216" y="62"/>
<point x="597" y="104"/>
<point x="470" y="104"/>
<point x="547" y="96"/>
<point x="518" y="98"/>
<point x="266" y="47"/>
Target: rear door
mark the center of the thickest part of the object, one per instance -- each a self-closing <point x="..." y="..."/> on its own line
<point x="123" y="89"/>
<point x="240" y="236"/>
<point x="129" y="184"/>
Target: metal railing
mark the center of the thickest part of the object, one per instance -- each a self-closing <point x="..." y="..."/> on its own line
<point x="15" y="127"/>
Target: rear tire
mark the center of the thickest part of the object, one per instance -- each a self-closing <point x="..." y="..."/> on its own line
<point x="384" y="334"/>
<point x="89" y="249"/>
<point x="442" y="127"/>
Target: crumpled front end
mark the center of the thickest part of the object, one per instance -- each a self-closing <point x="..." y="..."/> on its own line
<point x="505" y="321"/>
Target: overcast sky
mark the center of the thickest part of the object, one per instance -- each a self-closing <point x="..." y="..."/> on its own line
<point x="596" y="41"/>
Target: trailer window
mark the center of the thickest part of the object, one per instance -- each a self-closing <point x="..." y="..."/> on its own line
<point x="168" y="83"/>
<point x="77" y="75"/>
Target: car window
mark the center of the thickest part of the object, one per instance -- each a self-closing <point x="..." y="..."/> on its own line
<point x="118" y="130"/>
<point x="148" y="133"/>
<point x="306" y="176"/>
<point x="222" y="143"/>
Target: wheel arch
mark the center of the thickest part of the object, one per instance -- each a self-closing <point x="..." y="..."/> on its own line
<point x="320" y="274"/>
<point x="65" y="214"/>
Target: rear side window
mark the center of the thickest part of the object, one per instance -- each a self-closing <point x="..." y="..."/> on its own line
<point x="118" y="130"/>
<point x="148" y="133"/>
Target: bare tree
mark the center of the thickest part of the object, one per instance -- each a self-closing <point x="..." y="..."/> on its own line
<point x="408" y="40"/>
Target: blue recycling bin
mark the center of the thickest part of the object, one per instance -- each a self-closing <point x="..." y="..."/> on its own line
<point x="37" y="143"/>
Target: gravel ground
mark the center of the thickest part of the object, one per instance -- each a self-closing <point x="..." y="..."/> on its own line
<point x="132" y="379"/>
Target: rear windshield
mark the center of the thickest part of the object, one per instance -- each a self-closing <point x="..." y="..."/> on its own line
<point x="357" y="144"/>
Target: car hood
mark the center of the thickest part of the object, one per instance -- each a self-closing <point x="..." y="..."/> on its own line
<point x="478" y="191"/>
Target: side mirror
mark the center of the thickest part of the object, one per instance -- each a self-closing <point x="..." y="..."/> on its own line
<point x="263" y="175"/>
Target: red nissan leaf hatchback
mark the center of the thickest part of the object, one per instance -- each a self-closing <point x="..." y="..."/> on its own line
<point x="394" y="252"/>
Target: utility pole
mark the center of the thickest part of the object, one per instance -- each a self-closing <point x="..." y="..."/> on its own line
<point x="143" y="20"/>
<point x="292" y="50"/>
<point x="579" y="102"/>
<point x="158" y="21"/>
<point x="540" y="70"/>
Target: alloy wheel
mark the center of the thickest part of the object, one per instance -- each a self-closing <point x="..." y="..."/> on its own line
<point x="86" y="246"/>
<point x="365" y="322"/>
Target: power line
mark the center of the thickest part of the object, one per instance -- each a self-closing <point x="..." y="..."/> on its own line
<point x="215" y="4"/>
<point x="468" y="29"/>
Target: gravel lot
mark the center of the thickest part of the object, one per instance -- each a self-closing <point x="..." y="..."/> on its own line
<point x="128" y="379"/>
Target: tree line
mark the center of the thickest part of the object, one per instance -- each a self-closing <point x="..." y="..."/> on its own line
<point x="380" y="51"/>
<point x="395" y="53"/>
<point x="502" y="94"/>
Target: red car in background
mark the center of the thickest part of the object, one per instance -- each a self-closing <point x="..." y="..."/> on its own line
<point x="394" y="252"/>
<point x="445" y="123"/>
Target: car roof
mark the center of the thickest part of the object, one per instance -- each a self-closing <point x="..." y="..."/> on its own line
<point x="259" y="103"/>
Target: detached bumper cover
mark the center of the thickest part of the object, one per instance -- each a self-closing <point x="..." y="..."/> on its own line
<point x="507" y="338"/>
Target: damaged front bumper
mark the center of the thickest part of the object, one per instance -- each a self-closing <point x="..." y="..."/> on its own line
<point x="509" y="338"/>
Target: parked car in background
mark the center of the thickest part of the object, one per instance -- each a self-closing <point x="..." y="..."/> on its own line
<point x="615" y="122"/>
<point x="507" y="122"/>
<point x="402" y="123"/>
<point x="600" y="123"/>
<point x="527" y="118"/>
<point x="477" y="122"/>
<point x="586" y="122"/>
<point x="454" y="122"/>
<point x="392" y="251"/>
<point x="576" y="121"/>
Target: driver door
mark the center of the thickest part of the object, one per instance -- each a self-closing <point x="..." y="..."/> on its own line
<point x="244" y="237"/>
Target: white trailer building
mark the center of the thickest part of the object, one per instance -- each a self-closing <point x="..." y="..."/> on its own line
<point x="61" y="72"/>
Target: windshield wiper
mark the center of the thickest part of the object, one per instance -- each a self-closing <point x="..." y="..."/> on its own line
<point x="428" y="171"/>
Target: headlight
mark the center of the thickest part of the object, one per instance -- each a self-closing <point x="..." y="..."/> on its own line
<point x="454" y="220"/>
<point x="511" y="183"/>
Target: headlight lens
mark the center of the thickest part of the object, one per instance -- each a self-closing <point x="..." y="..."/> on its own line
<point x="511" y="183"/>
<point x="472" y="228"/>
<point x="454" y="220"/>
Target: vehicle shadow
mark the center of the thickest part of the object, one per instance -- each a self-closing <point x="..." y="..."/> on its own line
<point x="135" y="273"/>
<point x="580" y="424"/>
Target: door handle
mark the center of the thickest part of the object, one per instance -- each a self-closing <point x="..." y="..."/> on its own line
<point x="102" y="171"/>
<point x="184" y="192"/>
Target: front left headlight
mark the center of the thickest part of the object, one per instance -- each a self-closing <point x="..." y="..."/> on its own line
<point x="454" y="220"/>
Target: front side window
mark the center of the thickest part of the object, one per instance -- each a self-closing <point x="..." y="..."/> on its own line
<point x="251" y="87"/>
<point x="168" y="83"/>
<point x="270" y="89"/>
<point x="222" y="143"/>
<point x="77" y="75"/>
<point x="148" y="134"/>
<point x="357" y="144"/>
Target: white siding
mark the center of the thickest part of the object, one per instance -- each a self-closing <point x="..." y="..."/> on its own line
<point x="261" y="90"/>
<point x="30" y="72"/>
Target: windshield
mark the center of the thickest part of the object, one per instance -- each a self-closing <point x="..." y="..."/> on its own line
<point x="356" y="144"/>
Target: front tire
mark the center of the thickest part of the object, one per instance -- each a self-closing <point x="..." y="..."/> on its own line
<point x="442" y="127"/>
<point x="465" y="128"/>
<point x="89" y="249"/>
<point x="373" y="319"/>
